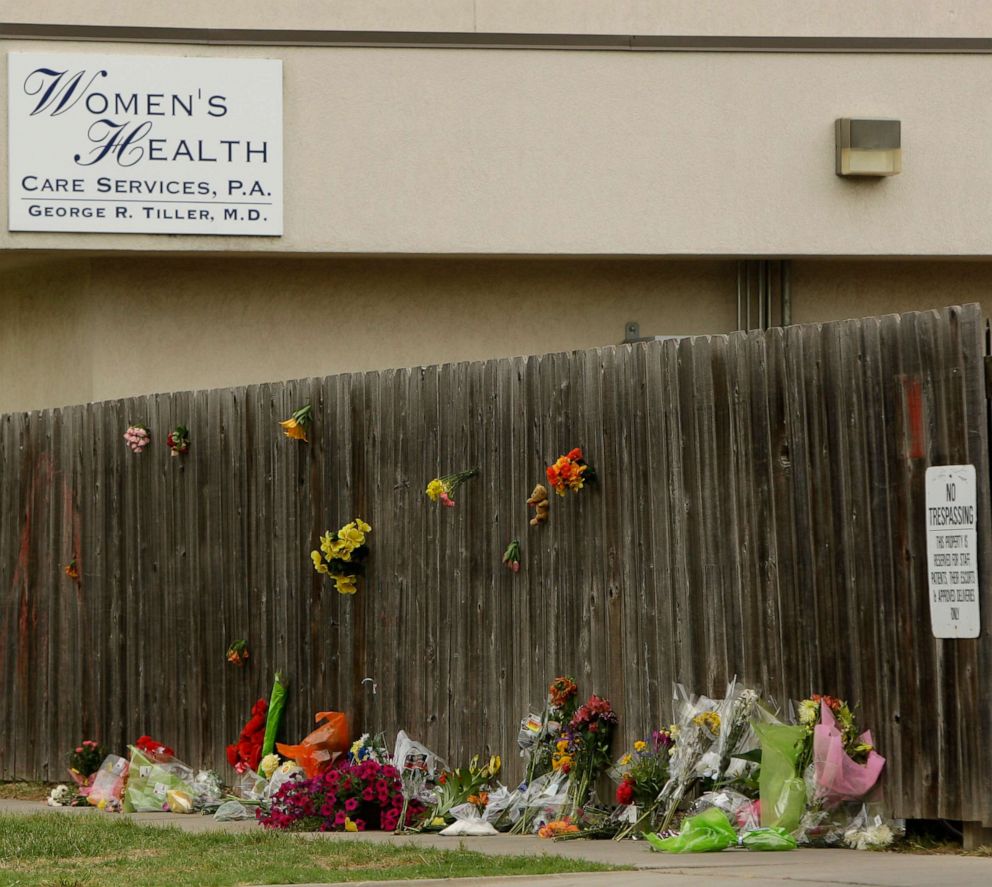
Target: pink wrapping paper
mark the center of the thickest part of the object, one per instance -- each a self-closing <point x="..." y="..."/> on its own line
<point x="838" y="777"/>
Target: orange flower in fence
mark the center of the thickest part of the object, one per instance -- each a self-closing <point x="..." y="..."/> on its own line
<point x="569" y="472"/>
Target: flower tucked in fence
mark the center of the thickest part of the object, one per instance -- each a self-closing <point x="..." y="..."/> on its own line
<point x="296" y="425"/>
<point x="511" y="557"/>
<point x="342" y="555"/>
<point x="177" y="440"/>
<point x="441" y="488"/>
<point x="570" y="472"/>
<point x="137" y="438"/>
<point x="237" y="653"/>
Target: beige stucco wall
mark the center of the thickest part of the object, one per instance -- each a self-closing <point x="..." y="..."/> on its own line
<point x="97" y="327"/>
<point x="834" y="290"/>
<point x="430" y="151"/>
<point x="82" y="329"/>
<point x="946" y="18"/>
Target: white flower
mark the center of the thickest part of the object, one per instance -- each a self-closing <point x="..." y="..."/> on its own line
<point x="268" y="765"/>
<point x="61" y="796"/>
<point x="872" y="837"/>
<point x="809" y="711"/>
<point x="290" y="767"/>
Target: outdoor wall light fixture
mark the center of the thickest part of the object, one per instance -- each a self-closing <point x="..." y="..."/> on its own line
<point x="868" y="147"/>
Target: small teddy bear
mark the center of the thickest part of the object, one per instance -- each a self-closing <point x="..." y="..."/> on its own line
<point x="539" y="502"/>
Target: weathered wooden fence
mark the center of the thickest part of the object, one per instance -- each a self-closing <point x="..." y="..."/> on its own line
<point x="759" y="513"/>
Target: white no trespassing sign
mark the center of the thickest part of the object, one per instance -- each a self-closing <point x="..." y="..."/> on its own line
<point x="952" y="551"/>
<point x="144" y="144"/>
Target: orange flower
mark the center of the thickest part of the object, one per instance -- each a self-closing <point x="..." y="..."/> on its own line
<point x="294" y="429"/>
<point x="480" y="800"/>
<point x="296" y="425"/>
<point x="558" y="827"/>
<point x="71" y="570"/>
<point x="830" y="702"/>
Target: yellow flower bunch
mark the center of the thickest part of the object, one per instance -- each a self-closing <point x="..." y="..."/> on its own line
<point x="435" y="488"/>
<point x="341" y="555"/>
<point x="561" y="760"/>
<point x="345" y="584"/>
<point x="708" y="719"/>
<point x="441" y="488"/>
<point x="640" y="745"/>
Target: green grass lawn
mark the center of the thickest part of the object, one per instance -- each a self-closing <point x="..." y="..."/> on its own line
<point x="66" y="850"/>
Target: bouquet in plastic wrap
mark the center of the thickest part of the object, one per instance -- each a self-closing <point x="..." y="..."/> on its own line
<point x="459" y="786"/>
<point x="158" y="782"/>
<point x="736" y="736"/>
<point x="696" y="728"/>
<point x="846" y="765"/>
<point x="106" y="791"/>
<point x="539" y="740"/>
<point x="781" y="784"/>
<point x="419" y="770"/>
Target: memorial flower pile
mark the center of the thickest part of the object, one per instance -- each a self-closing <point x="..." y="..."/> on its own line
<point x="569" y="472"/>
<point x="342" y="555"/>
<point x="177" y="440"/>
<point x="136" y="438"/>
<point x="440" y="489"/>
<point x="296" y="426"/>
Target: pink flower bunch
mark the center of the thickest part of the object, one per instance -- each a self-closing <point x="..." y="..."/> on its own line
<point x="367" y="794"/>
<point x="662" y="739"/>
<point x="86" y="758"/>
<point x="446" y="500"/>
<point x="136" y="437"/>
<point x="595" y="712"/>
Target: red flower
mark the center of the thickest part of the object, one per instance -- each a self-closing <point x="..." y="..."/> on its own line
<point x="625" y="791"/>
<point x="831" y="702"/>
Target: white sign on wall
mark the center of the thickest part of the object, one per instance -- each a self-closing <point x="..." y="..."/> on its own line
<point x="153" y="144"/>
<point x="952" y="551"/>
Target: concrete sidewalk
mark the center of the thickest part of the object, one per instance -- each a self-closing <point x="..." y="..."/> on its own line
<point x="731" y="868"/>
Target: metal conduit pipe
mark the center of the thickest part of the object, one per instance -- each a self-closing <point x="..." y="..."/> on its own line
<point x="757" y="303"/>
